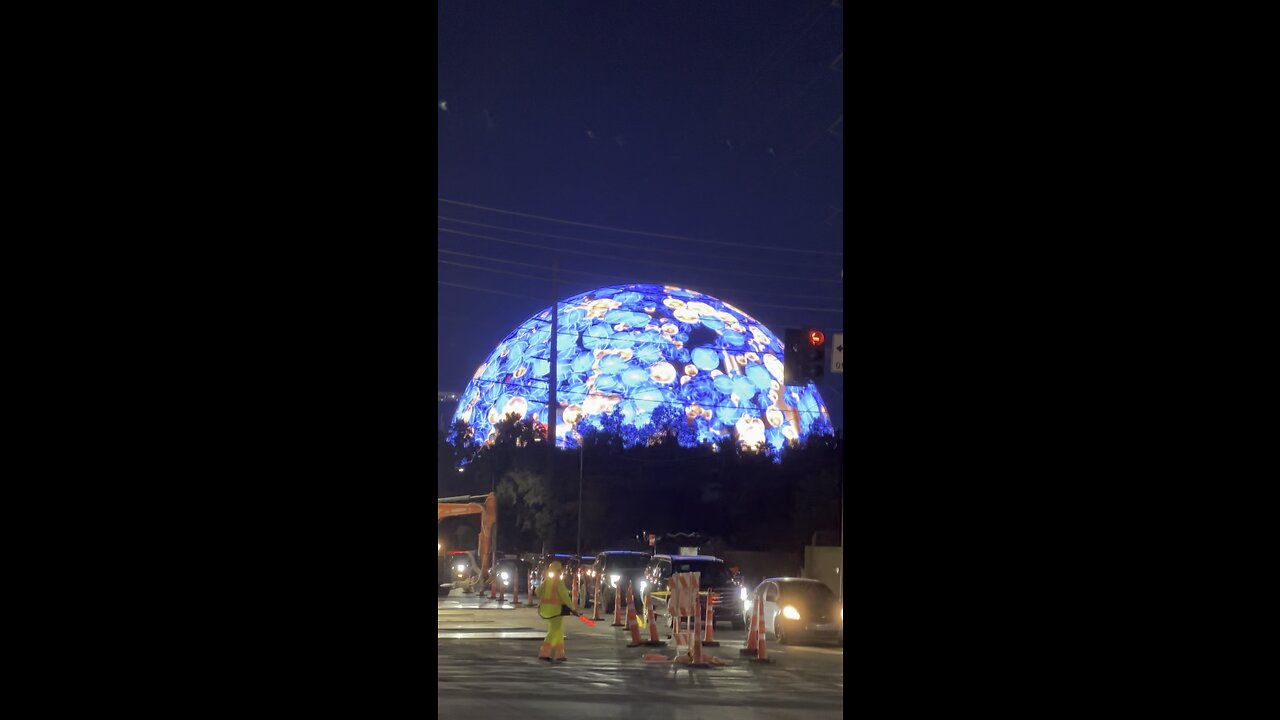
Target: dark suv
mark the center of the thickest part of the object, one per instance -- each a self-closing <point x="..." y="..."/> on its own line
<point x="614" y="568"/>
<point x="540" y="568"/>
<point x="715" y="575"/>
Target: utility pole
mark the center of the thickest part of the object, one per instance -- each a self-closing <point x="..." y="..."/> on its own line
<point x="554" y="381"/>
<point x="582" y="457"/>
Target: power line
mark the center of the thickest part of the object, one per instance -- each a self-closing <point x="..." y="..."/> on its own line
<point x="536" y="277"/>
<point x="637" y="232"/>
<point x="493" y="270"/>
<point x="641" y="260"/>
<point x="607" y="243"/>
<point x="630" y="280"/>
<point x="480" y="289"/>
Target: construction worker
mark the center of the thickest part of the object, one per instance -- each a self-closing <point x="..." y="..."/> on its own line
<point x="553" y="598"/>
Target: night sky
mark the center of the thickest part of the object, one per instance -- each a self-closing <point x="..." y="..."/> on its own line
<point x="708" y="121"/>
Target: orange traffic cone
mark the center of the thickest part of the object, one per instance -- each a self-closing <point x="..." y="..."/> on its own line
<point x="595" y="613"/>
<point x="632" y="624"/>
<point x="763" y="655"/>
<point x="753" y="634"/>
<point x="617" y="606"/>
<point x="710" y="639"/>
<point x="493" y="589"/>
<point x="653" y="627"/>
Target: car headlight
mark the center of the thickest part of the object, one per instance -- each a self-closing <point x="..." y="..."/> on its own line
<point x="790" y="613"/>
<point x="643" y="584"/>
<point x="613" y="579"/>
<point x="458" y="568"/>
<point x="506" y="576"/>
<point x="743" y="594"/>
<point x="551" y="575"/>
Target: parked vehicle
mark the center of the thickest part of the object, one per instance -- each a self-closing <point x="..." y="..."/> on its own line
<point x="714" y="575"/>
<point x="540" y="569"/>
<point x="513" y="575"/>
<point x="582" y="571"/>
<point x="614" y="568"/>
<point x="797" y="609"/>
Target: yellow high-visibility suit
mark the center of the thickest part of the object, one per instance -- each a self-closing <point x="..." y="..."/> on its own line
<point x="551" y="595"/>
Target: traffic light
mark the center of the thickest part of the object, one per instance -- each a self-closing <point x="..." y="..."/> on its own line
<point x="817" y="353"/>
<point x="805" y="355"/>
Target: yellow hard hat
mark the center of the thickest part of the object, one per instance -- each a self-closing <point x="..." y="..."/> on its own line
<point x="554" y="569"/>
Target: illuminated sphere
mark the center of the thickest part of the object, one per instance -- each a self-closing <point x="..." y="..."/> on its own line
<point x="628" y="352"/>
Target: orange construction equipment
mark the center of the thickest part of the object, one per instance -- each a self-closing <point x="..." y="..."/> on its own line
<point x="753" y="633"/>
<point x="710" y="639"/>
<point x="632" y="624"/>
<point x="595" y="614"/>
<point x="763" y="655"/>
<point x="617" y="606"/>
<point x="486" y="506"/>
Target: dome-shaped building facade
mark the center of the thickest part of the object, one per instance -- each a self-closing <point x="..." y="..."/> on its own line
<point x="633" y="351"/>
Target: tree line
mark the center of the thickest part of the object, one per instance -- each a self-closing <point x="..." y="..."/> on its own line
<point x="644" y="480"/>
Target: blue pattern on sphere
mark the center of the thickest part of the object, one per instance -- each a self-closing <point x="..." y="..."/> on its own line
<point x="633" y="351"/>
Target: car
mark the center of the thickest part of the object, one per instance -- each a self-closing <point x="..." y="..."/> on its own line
<point x="797" y="609"/>
<point x="615" y="568"/>
<point x="513" y="575"/>
<point x="582" y="571"/>
<point x="540" y="568"/>
<point x="714" y="575"/>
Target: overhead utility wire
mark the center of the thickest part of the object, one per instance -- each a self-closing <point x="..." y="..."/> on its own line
<point x="640" y="260"/>
<point x="630" y="280"/>
<point x="637" y="232"/>
<point x="480" y="289"/>
<point x="537" y="277"/>
<point x="615" y="244"/>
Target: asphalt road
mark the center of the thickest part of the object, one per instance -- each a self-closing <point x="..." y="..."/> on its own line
<point x="488" y="666"/>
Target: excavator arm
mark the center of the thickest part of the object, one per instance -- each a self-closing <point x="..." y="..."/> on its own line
<point x="486" y="506"/>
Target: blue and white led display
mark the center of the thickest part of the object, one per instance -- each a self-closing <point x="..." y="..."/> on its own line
<point x="628" y="350"/>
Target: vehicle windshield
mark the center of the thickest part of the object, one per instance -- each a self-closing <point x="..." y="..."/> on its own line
<point x="626" y="562"/>
<point x="806" y="593"/>
<point x="714" y="574"/>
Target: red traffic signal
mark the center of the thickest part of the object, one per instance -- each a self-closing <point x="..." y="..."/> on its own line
<point x="816" y="338"/>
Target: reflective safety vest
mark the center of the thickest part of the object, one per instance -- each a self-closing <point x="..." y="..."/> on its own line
<point x="549" y="604"/>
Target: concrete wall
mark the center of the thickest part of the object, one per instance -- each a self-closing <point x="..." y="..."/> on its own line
<point x="824" y="563"/>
